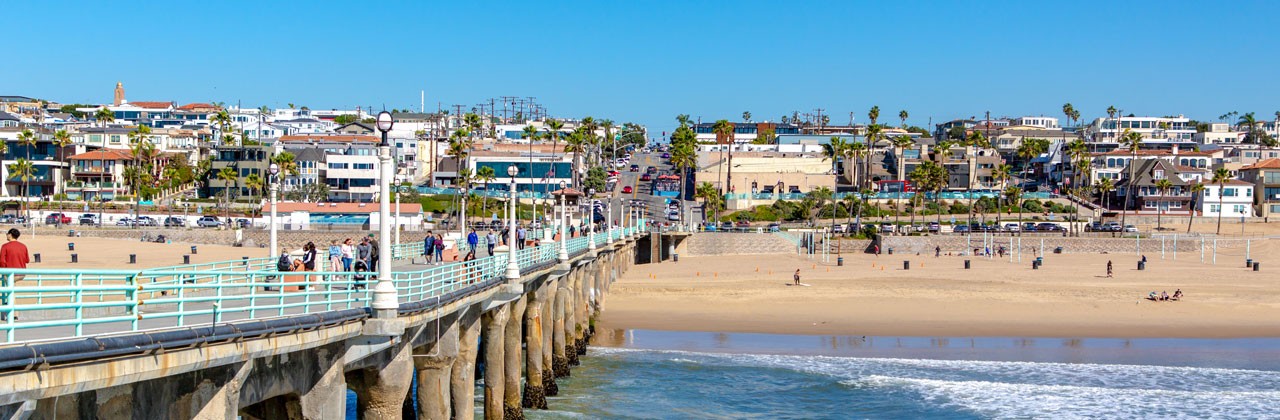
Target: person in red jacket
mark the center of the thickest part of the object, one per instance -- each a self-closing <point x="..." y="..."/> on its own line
<point x="13" y="254"/>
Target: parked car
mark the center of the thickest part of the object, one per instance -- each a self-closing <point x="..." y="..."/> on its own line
<point x="635" y="168"/>
<point x="674" y="217"/>
<point x="794" y="189"/>
<point x="89" y="219"/>
<point x="935" y="227"/>
<point x="743" y="224"/>
<point x="1094" y="227"/>
<point x="1029" y="227"/>
<point x="1012" y="227"/>
<point x="1113" y="227"/>
<point x="125" y="221"/>
<point x="886" y="227"/>
<point x="57" y="219"/>
<point x="146" y="221"/>
<point x="175" y="221"/>
<point x="646" y="177"/>
<point x="1130" y="228"/>
<point x="666" y="155"/>
<point x="626" y="189"/>
<point x="6" y="219"/>
<point x="208" y="221"/>
<point x="837" y="228"/>
<point x="1048" y="227"/>
<point x="961" y="229"/>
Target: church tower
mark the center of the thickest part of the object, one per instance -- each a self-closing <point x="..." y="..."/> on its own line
<point x="119" y="94"/>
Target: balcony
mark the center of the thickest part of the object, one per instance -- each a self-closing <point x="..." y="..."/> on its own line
<point x="92" y="186"/>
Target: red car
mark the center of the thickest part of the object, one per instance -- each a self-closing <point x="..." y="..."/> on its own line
<point x="646" y="177"/>
<point x="626" y="189"/>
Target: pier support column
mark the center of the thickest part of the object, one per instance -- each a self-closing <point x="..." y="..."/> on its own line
<point x="434" y="368"/>
<point x="570" y="318"/>
<point x="534" y="394"/>
<point x="382" y="388"/>
<point x="513" y="338"/>
<point x="548" y="299"/>
<point x="494" y="330"/>
<point x="559" y="355"/>
<point x="462" y="379"/>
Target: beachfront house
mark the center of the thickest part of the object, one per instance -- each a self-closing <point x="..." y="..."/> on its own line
<point x="1147" y="196"/>
<point x="1265" y="176"/>
<point x="1234" y="200"/>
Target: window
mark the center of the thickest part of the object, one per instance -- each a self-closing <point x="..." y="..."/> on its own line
<point x="1271" y="177"/>
<point x="1275" y="208"/>
<point x="337" y="165"/>
<point x="1159" y="174"/>
<point x="1213" y="208"/>
<point x="1228" y="192"/>
<point x="1239" y="209"/>
<point x="362" y="166"/>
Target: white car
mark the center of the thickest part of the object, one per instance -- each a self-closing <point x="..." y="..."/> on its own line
<point x="1012" y="227"/>
<point x="1130" y="228"/>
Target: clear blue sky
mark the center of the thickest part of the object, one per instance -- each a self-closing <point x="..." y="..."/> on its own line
<point x="648" y="61"/>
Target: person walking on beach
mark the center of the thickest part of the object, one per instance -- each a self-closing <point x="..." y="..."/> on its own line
<point x="13" y="254"/>
<point x="795" y="278"/>
<point x="1108" y="268"/>
<point x="937" y="251"/>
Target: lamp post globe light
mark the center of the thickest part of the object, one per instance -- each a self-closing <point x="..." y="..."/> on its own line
<point x="591" y="219"/>
<point x="274" y="171"/>
<point x="563" y="253"/>
<point x="385" y="302"/>
<point x="513" y="267"/>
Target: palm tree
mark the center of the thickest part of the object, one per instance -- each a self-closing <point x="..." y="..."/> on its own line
<point x="724" y="130"/>
<point x="872" y="136"/>
<point x="485" y="174"/>
<point x="28" y="139"/>
<point x="459" y="149"/>
<point x="1076" y="151"/>
<point x="710" y="197"/>
<point x="900" y="144"/>
<point x="1197" y="193"/>
<point x="1132" y="140"/>
<point x="1220" y="177"/>
<point x="1163" y="187"/>
<point x="974" y="140"/>
<point x="23" y="170"/>
<point x="104" y="116"/>
<point x="221" y="120"/>
<point x="288" y="164"/>
<point x="62" y="139"/>
<point x="1002" y="175"/>
<point x="850" y="200"/>
<point x="1104" y="186"/>
<point x="1250" y="124"/>
<point x="576" y="143"/>
<point x="1013" y="195"/>
<point x="853" y="157"/>
<point x="902" y="115"/>
<point x="255" y="184"/>
<point x="1068" y="110"/>
<point x="835" y="149"/>
<point x="607" y="125"/>
<point x="228" y="176"/>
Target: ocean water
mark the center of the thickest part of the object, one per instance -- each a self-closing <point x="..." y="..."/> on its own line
<point x="733" y="377"/>
<point x="687" y="375"/>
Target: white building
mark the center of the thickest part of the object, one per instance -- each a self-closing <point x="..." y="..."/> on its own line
<point x="1048" y="123"/>
<point x="1152" y="129"/>
<point x="1219" y="133"/>
<point x="1237" y="200"/>
<point x="351" y="177"/>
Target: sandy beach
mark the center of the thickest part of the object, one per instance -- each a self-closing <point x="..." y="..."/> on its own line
<point x="1069" y="296"/>
<point x="105" y="253"/>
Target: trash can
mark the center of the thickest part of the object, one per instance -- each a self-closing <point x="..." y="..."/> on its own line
<point x="966" y="264"/>
<point x="1142" y="265"/>
<point x="906" y="265"/>
<point x="71" y="246"/>
<point x="1057" y="250"/>
<point x="839" y="261"/>
<point x="1248" y="262"/>
<point x="890" y="250"/>
<point x="1035" y="264"/>
<point x="193" y="249"/>
<point x="1040" y="260"/>
<point x="36" y="256"/>
<point x="1257" y="266"/>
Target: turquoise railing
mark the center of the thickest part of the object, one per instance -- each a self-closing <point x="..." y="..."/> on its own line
<point x="38" y="304"/>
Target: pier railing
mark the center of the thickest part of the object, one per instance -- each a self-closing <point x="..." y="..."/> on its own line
<point x="41" y="304"/>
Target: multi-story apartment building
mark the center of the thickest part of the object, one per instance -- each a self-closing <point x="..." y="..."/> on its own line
<point x="1114" y="165"/>
<point x="244" y="160"/>
<point x="97" y="175"/>
<point x="742" y="132"/>
<point x="351" y="177"/>
<point x="47" y="161"/>
<point x="1048" y="123"/>
<point x="1218" y="133"/>
<point x="1235" y="200"/>
<point x="1265" y="176"/>
<point x="1154" y="130"/>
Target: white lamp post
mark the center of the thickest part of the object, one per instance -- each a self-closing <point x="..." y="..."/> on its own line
<point x="608" y="224"/>
<point x="590" y="220"/>
<point x="274" y="170"/>
<point x="396" y="225"/>
<point x="513" y="267"/>
<point x="563" y="254"/>
<point x="385" y="302"/>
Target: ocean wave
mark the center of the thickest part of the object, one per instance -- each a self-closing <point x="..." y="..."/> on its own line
<point x="1021" y="400"/>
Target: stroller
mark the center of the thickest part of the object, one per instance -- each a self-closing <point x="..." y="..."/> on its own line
<point x="361" y="269"/>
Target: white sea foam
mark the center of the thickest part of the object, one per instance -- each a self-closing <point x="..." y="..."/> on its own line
<point x="1030" y="389"/>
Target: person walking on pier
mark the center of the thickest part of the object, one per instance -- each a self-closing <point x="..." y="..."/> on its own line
<point x="335" y="255"/>
<point x="375" y="252"/>
<point x="439" y="248"/>
<point x="13" y="254"/>
<point x="429" y="246"/>
<point x="491" y="240"/>
<point x="472" y="241"/>
<point x="348" y="254"/>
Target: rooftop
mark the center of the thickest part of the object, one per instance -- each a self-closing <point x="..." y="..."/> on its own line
<point x="105" y="154"/>
<point x="1272" y="163"/>
<point x="346" y="138"/>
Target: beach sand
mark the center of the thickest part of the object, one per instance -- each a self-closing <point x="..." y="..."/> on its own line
<point x="113" y="254"/>
<point x="1069" y="296"/>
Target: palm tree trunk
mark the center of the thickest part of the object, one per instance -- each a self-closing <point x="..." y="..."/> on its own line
<point x="1191" y="216"/>
<point x="1220" y="186"/>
